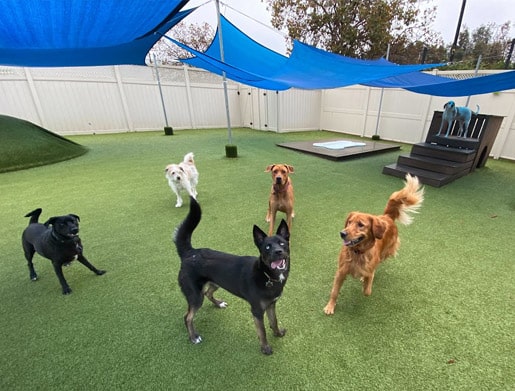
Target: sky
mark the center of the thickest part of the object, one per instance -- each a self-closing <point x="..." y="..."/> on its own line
<point x="477" y="12"/>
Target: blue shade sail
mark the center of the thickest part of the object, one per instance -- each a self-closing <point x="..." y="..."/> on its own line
<point x="54" y="33"/>
<point x="423" y="83"/>
<point x="307" y="67"/>
<point x="62" y="33"/>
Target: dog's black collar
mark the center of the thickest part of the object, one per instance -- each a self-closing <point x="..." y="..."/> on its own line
<point x="270" y="281"/>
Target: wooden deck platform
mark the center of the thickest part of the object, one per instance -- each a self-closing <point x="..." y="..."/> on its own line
<point x="340" y="154"/>
<point x="440" y="159"/>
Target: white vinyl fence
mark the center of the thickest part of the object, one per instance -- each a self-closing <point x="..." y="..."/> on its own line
<point x="115" y="99"/>
<point x="87" y="100"/>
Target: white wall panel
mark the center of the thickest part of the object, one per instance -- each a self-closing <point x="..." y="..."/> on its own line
<point x="98" y="106"/>
<point x="15" y="100"/>
<point x="127" y="98"/>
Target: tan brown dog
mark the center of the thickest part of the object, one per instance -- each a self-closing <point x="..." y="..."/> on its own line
<point x="370" y="239"/>
<point x="281" y="195"/>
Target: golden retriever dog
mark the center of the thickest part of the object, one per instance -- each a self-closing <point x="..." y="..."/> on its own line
<point x="370" y="239"/>
<point x="281" y="195"/>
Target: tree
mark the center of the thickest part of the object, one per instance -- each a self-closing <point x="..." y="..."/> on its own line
<point x="196" y="36"/>
<point x="355" y="28"/>
<point x="490" y="41"/>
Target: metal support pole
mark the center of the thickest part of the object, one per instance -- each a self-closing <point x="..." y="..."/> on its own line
<point x="381" y="99"/>
<point x="277" y="110"/>
<point x="224" y="77"/>
<point x="475" y="74"/>
<point x="160" y="91"/>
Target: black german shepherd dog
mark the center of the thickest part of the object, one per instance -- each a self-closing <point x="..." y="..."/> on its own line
<point x="258" y="280"/>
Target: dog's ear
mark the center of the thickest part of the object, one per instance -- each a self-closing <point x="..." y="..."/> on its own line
<point x="283" y="231"/>
<point x="349" y="216"/>
<point x="75" y="216"/>
<point x="259" y="236"/>
<point x="290" y="168"/>
<point x="445" y="105"/>
<point x="50" y="221"/>
<point x="378" y="228"/>
<point x="269" y="168"/>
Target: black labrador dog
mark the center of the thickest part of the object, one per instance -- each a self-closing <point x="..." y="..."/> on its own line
<point x="258" y="280"/>
<point x="57" y="240"/>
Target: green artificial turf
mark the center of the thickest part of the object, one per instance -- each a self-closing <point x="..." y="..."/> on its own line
<point x="26" y="145"/>
<point x="441" y="315"/>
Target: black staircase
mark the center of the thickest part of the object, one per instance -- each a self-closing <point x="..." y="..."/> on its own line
<point x="441" y="160"/>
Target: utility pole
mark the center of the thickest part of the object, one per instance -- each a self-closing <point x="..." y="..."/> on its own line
<point x="508" y="57"/>
<point x="457" y="35"/>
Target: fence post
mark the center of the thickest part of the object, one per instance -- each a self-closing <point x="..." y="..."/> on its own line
<point x="188" y="96"/>
<point x="365" y="117"/>
<point x="35" y="97"/>
<point x="126" y="111"/>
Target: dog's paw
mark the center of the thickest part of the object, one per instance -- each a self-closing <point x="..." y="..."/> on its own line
<point x="178" y="204"/>
<point x="280" y="333"/>
<point x="100" y="272"/>
<point x="266" y="350"/>
<point x="67" y="290"/>
<point x="329" y="309"/>
<point x="196" y="339"/>
<point x="222" y="304"/>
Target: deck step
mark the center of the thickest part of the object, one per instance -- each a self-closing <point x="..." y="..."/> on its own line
<point x="442" y="152"/>
<point x="454" y="142"/>
<point x="427" y="177"/>
<point x="433" y="164"/>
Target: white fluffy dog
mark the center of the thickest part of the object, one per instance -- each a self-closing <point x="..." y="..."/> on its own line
<point x="183" y="176"/>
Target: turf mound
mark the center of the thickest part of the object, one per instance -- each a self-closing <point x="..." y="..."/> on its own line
<point x="25" y="145"/>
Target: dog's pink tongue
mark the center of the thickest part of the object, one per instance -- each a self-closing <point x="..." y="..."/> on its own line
<point x="280" y="264"/>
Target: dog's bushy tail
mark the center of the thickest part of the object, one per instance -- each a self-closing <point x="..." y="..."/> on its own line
<point x="406" y="201"/>
<point x="182" y="236"/>
<point x="189" y="158"/>
<point x="34" y="215"/>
